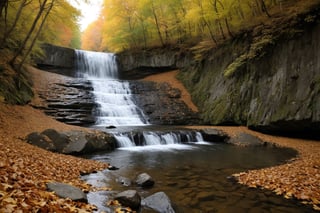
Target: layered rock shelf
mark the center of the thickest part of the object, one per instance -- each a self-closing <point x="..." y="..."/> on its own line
<point x="70" y="101"/>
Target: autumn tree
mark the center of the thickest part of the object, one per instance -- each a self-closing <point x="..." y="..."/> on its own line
<point x="92" y="36"/>
<point x="129" y="24"/>
<point x="26" y="24"/>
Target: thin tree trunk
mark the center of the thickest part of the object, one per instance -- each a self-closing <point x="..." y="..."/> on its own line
<point x="7" y="32"/>
<point x="264" y="8"/>
<point x="206" y="23"/>
<point x="36" y="36"/>
<point x="240" y="10"/>
<point x="157" y="24"/>
<point x="228" y="27"/>
<point x="3" y="7"/>
<point x="215" y="6"/>
<point x="22" y="46"/>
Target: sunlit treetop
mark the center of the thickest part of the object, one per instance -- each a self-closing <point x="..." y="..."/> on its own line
<point x="129" y="24"/>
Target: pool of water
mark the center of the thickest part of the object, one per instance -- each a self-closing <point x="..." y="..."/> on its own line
<point x="195" y="176"/>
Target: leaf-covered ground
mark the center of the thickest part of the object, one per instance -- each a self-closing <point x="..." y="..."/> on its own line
<point x="25" y="169"/>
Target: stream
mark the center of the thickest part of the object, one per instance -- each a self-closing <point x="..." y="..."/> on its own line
<point x="195" y="174"/>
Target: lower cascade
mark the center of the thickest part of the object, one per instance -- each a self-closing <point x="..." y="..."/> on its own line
<point x="146" y="138"/>
<point x="116" y="106"/>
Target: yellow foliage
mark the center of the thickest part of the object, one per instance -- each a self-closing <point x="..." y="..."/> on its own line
<point x="145" y="23"/>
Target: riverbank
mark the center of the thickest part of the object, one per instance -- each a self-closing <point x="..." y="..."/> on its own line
<point x="24" y="169"/>
<point x="298" y="179"/>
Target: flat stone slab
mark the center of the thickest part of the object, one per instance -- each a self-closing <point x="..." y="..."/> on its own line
<point x="245" y="139"/>
<point x="67" y="191"/>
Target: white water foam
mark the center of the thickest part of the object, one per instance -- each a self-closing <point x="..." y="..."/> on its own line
<point x="159" y="147"/>
<point x="116" y="106"/>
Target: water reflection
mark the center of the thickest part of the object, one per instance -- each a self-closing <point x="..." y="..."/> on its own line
<point x="194" y="176"/>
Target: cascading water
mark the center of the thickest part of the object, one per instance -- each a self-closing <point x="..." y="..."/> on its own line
<point x="116" y="106"/>
<point x="113" y="96"/>
<point x="148" y="138"/>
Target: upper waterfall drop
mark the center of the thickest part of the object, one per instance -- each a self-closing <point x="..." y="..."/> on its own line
<point x="116" y="105"/>
<point x="96" y="64"/>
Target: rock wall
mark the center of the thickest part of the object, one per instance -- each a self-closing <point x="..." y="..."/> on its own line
<point x="57" y="59"/>
<point x="268" y="82"/>
<point x="69" y="100"/>
<point x="138" y="64"/>
<point x="278" y="91"/>
<point x="162" y="104"/>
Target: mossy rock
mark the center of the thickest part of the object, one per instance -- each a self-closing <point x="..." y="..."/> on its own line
<point x="14" y="88"/>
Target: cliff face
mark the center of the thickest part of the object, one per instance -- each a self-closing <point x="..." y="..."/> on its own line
<point x="138" y="64"/>
<point x="271" y="83"/>
<point x="57" y="59"/>
<point x="277" y="92"/>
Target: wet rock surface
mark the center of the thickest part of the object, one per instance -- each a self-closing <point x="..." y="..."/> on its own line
<point x="70" y="101"/>
<point x="162" y="104"/>
<point x="72" y="142"/>
<point x="159" y="202"/>
<point x="144" y="180"/>
<point x="129" y="198"/>
<point x="214" y="135"/>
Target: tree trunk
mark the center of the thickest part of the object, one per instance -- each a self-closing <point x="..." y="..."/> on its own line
<point x="240" y="10"/>
<point x="205" y="23"/>
<point x="34" y="24"/>
<point x="264" y="8"/>
<point x="228" y="27"/>
<point x="3" y="7"/>
<point x="215" y="7"/>
<point x="36" y="36"/>
<point x="7" y="32"/>
<point x="157" y="24"/>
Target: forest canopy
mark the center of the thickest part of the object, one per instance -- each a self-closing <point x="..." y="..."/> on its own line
<point x="26" y="24"/>
<point x="129" y="24"/>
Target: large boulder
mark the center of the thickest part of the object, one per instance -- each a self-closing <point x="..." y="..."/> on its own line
<point x="72" y="142"/>
<point x="129" y="198"/>
<point x="214" y="135"/>
<point x="159" y="202"/>
<point x="59" y="140"/>
<point x="67" y="191"/>
<point x="87" y="142"/>
<point x="41" y="140"/>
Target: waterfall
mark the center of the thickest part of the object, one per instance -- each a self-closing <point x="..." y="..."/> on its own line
<point x="148" y="138"/>
<point x="116" y="106"/>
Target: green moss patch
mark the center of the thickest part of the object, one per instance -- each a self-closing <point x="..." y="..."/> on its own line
<point x="15" y="88"/>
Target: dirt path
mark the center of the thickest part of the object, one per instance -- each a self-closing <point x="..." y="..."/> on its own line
<point x="170" y="77"/>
